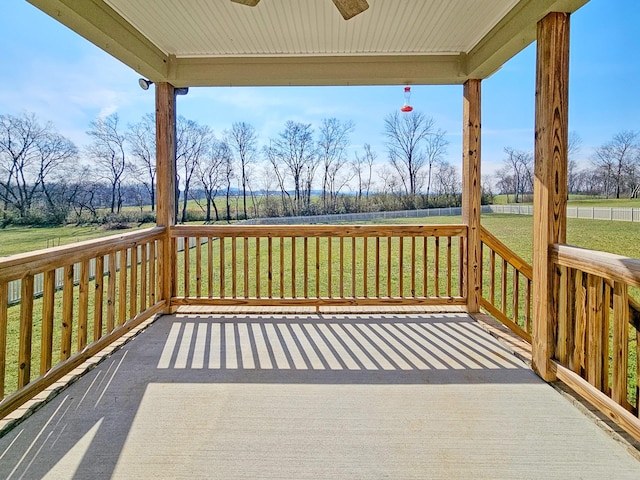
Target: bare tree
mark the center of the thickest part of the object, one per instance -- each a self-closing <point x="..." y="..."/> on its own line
<point x="618" y="161"/>
<point x="294" y="153"/>
<point x="332" y="145"/>
<point x="363" y="168"/>
<point x="413" y="143"/>
<point x="192" y="142"/>
<point x="243" y="140"/>
<point x="516" y="175"/>
<point x="30" y="156"/>
<point x="107" y="149"/>
<point x="210" y="177"/>
<point x="142" y="140"/>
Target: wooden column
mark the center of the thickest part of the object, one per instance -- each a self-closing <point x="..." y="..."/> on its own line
<point x="550" y="183"/>
<point x="166" y="180"/>
<point x="471" y="191"/>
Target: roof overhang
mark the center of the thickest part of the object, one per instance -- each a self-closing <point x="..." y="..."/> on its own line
<point x="291" y="42"/>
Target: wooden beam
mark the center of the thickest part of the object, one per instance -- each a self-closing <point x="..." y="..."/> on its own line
<point x="550" y="182"/>
<point x="471" y="191"/>
<point x="166" y="178"/>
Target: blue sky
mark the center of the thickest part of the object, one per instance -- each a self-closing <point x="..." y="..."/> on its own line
<point x="52" y="72"/>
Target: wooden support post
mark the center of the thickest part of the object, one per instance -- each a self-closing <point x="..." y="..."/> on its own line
<point x="550" y="183"/>
<point x="471" y="192"/>
<point x="166" y="178"/>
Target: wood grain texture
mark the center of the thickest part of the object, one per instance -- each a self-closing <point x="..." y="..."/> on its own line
<point x="471" y="189"/>
<point x="620" y="353"/>
<point x="26" y="331"/>
<point x="48" y="309"/>
<point x="4" y="304"/>
<point x="550" y="182"/>
<point x="67" y="313"/>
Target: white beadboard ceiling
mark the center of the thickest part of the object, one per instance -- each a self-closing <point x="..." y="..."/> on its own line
<point x="189" y="28"/>
<point x="307" y="42"/>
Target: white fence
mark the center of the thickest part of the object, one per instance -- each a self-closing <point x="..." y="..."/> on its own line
<point x="595" y="213"/>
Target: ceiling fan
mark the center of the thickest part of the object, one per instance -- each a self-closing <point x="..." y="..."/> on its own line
<point x="348" y="8"/>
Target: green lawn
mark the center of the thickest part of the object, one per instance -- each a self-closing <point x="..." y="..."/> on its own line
<point x="26" y="239"/>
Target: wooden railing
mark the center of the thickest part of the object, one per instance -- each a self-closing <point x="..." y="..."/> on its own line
<point x="598" y="330"/>
<point x="44" y="338"/>
<point x="506" y="285"/>
<point x="320" y="265"/>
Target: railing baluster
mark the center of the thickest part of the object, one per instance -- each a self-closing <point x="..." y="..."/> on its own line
<point x="258" y="273"/>
<point x="341" y="270"/>
<point x="269" y="267"/>
<point x="186" y="257"/>
<point x="144" y="275"/>
<point x="516" y="296"/>
<point x="234" y="267"/>
<point x="580" y="336"/>
<point x="594" y="330"/>
<point x="317" y="269"/>
<point x="389" y="266"/>
<point x="210" y="267"/>
<point x="293" y="267"/>
<point x="329" y="267"/>
<point x="98" y="297"/>
<point x="378" y="267"/>
<point x="436" y="265"/>
<point x="83" y="305"/>
<point x="26" y="331"/>
<point x="281" y="267"/>
<point x="449" y="272"/>
<point x="353" y="267"/>
<point x="564" y="321"/>
<point x="413" y="267"/>
<point x="401" y="265"/>
<point x="198" y="267"/>
<point x="246" y="267"/>
<point x="133" y="288"/>
<point x="152" y="273"/>
<point x="365" y="266"/>
<point x="4" y="306"/>
<point x="604" y="334"/>
<point x="67" y="313"/>
<point x="503" y="287"/>
<point x="305" y="245"/>
<point x="620" y="354"/>
<point x="222" y="266"/>
<point x="122" y="293"/>
<point x="48" y="306"/>
<point x="462" y="254"/>
<point x="492" y="282"/>
<point x="425" y="267"/>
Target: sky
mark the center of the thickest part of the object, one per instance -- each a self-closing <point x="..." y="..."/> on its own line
<point x="52" y="72"/>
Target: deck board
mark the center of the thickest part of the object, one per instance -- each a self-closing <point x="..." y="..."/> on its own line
<point x="237" y="396"/>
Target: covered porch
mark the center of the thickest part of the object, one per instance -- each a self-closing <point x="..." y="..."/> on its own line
<point x="571" y="307"/>
<point x="312" y="396"/>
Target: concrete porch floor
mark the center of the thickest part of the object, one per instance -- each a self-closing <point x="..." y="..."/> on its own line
<point x="311" y="397"/>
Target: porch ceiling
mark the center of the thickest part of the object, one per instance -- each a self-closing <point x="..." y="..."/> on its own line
<point x="293" y="42"/>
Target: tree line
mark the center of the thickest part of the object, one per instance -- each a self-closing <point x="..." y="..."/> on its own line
<point x="611" y="170"/>
<point x="46" y="179"/>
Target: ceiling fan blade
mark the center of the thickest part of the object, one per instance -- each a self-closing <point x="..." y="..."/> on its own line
<point x="350" y="8"/>
<point x="249" y="3"/>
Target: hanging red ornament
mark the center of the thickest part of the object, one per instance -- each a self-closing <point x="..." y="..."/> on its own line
<point x="407" y="97"/>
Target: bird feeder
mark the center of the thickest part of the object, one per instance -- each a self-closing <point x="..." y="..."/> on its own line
<point x="407" y="98"/>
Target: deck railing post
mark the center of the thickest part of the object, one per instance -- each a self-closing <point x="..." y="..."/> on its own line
<point x="471" y="192"/>
<point x="166" y="179"/>
<point x="550" y="183"/>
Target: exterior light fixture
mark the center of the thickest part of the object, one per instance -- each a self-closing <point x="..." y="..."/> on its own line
<point x="144" y="83"/>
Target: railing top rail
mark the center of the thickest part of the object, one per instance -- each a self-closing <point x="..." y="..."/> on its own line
<point x="318" y="230"/>
<point x="22" y="264"/>
<point x="505" y="252"/>
<point x="607" y="265"/>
